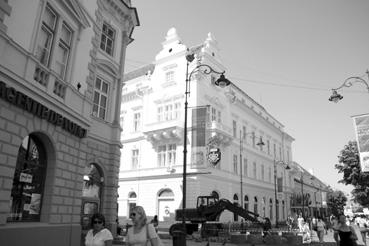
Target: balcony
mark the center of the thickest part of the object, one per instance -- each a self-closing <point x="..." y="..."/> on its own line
<point x="219" y="133"/>
<point x="165" y="131"/>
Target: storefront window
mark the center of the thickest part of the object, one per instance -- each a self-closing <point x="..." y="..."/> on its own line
<point x="28" y="182"/>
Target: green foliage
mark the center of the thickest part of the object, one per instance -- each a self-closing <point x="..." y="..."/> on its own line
<point x="336" y="202"/>
<point x="349" y="166"/>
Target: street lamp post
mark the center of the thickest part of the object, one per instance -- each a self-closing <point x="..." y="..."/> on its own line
<point x="221" y="82"/>
<point x="302" y="195"/>
<point x="287" y="167"/>
<point x="260" y="143"/>
<point x="335" y="97"/>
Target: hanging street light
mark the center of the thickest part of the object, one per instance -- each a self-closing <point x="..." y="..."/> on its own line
<point x="336" y="97"/>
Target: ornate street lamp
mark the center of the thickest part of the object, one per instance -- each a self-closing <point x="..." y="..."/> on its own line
<point x="335" y="97"/>
<point x="221" y="82"/>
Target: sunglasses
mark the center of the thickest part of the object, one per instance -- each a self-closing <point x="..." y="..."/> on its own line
<point x="133" y="214"/>
<point x="97" y="222"/>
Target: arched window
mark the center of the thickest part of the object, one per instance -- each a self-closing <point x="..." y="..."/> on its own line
<point x="28" y="182"/>
<point x="255" y="205"/>
<point x="283" y="210"/>
<point x="263" y="205"/>
<point x="247" y="203"/>
<point x="215" y="194"/>
<point x="271" y="209"/>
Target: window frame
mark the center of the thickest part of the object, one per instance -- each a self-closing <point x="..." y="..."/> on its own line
<point x="166" y="155"/>
<point x="101" y="94"/>
<point x="105" y="35"/>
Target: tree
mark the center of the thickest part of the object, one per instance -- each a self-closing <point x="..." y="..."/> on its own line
<point x="349" y="165"/>
<point x="336" y="202"/>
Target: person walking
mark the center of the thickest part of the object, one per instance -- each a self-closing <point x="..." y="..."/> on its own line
<point x="320" y="228"/>
<point x="98" y="235"/>
<point x="347" y="235"/>
<point x="155" y="223"/>
<point x="141" y="232"/>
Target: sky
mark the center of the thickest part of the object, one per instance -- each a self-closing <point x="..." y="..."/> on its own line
<point x="286" y="54"/>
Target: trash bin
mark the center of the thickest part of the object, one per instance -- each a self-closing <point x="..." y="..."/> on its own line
<point x="179" y="237"/>
<point x="178" y="233"/>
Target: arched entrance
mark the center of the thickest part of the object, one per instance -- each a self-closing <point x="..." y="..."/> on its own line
<point x="165" y="204"/>
<point x="91" y="193"/>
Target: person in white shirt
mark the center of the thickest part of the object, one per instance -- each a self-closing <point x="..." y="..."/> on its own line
<point x="98" y="235"/>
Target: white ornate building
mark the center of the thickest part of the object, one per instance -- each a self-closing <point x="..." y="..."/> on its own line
<point x="152" y="118"/>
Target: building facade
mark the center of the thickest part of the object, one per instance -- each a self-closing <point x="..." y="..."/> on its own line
<point x="309" y="196"/>
<point x="61" y="71"/>
<point x="224" y="119"/>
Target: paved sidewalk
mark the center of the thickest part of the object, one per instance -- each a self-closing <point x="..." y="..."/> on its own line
<point x="167" y="241"/>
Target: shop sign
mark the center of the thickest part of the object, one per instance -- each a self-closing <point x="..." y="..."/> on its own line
<point x="25" y="177"/>
<point x="25" y="102"/>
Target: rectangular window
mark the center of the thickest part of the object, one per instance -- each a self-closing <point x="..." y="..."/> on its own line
<point x="270" y="174"/>
<point x="219" y="117"/>
<point x="268" y="146"/>
<point x="160" y="113"/>
<point x="177" y="110"/>
<point x="168" y="112"/>
<point x="262" y="172"/>
<point x="135" y="154"/>
<point x="46" y="36"/>
<point x="167" y="155"/>
<point x="254" y="169"/>
<point x="253" y="139"/>
<point x="136" y="122"/>
<point x="172" y="152"/>
<point x="161" y="155"/>
<point x="62" y="51"/>
<point x="235" y="164"/>
<point x="280" y="153"/>
<point x="100" y="99"/>
<point x="234" y="124"/>
<point x="107" y="39"/>
<point x="244" y="132"/>
<point x="213" y="114"/>
<point x="169" y="77"/>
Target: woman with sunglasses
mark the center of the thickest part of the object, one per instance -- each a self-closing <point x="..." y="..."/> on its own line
<point x="98" y="235"/>
<point x="141" y="232"/>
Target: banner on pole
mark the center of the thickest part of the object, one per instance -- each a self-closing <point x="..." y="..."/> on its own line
<point x="198" y="126"/>
<point x="361" y="125"/>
